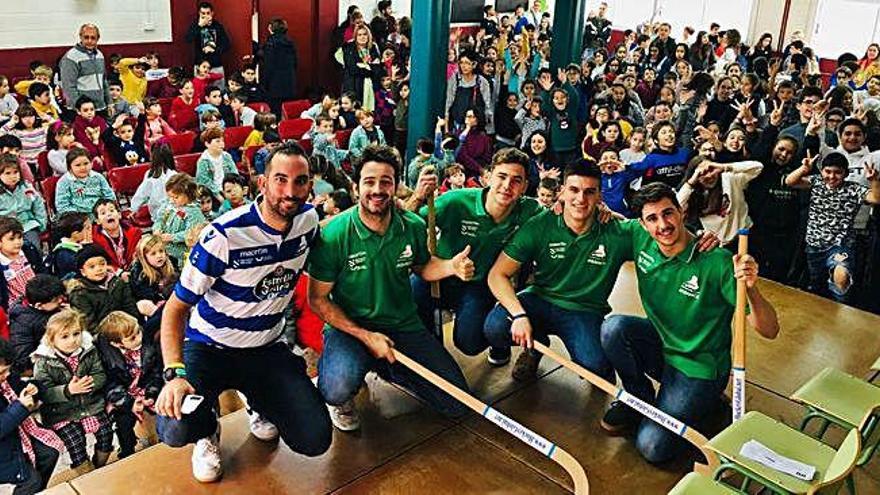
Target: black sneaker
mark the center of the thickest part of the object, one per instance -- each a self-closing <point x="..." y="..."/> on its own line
<point x="619" y="418"/>
<point x="526" y="367"/>
<point x="499" y="356"/>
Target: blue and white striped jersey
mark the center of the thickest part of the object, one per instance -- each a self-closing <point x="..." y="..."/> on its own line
<point x="241" y="275"/>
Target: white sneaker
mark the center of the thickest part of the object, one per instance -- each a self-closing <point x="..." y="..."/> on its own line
<point x="261" y="427"/>
<point x="206" y="464"/>
<point x="345" y="417"/>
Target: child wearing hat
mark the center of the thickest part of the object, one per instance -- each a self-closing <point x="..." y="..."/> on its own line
<point x="97" y="291"/>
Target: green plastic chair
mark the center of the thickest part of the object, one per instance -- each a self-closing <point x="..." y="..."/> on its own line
<point x="833" y="468"/>
<point x="697" y="484"/>
<point x="835" y="398"/>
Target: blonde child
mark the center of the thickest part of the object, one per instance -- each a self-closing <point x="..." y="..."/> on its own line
<point x="179" y="215"/>
<point x="134" y="376"/>
<point x="68" y="368"/>
<point x="324" y="142"/>
<point x="365" y="134"/>
<point x="153" y="274"/>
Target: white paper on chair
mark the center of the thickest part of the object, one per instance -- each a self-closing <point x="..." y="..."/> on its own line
<point x="759" y="453"/>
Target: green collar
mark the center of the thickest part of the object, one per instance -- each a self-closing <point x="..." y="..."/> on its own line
<point x="480" y="207"/>
<point x="594" y="230"/>
<point x="396" y="224"/>
<point x="686" y="256"/>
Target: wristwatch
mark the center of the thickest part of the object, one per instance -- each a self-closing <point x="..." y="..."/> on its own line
<point x="172" y="371"/>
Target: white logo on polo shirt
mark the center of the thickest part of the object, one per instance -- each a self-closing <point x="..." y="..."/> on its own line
<point x="691" y="288"/>
<point x="598" y="256"/>
<point x="557" y="250"/>
<point x="357" y="261"/>
<point x="469" y="228"/>
<point x="406" y="257"/>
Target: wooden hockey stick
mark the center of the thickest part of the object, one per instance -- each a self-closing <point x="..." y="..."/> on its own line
<point x="649" y="411"/>
<point x="527" y="436"/>
<point x="738" y="401"/>
<point x="435" y="285"/>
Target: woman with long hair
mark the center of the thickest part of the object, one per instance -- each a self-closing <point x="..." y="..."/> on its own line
<point x="869" y="65"/>
<point x="362" y="67"/>
<point x="763" y="48"/>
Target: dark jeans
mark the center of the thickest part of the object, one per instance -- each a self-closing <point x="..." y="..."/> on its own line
<point x="346" y="361"/>
<point x="634" y="348"/>
<point x="275" y="383"/>
<point x="471" y="303"/>
<point x="46" y="458"/>
<point x="578" y="330"/>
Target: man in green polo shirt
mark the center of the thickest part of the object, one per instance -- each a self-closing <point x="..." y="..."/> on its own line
<point x="576" y="261"/>
<point x="359" y="285"/>
<point x="689" y="298"/>
<point x="484" y="219"/>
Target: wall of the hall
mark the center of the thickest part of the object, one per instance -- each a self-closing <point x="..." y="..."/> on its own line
<point x="311" y="24"/>
<point x="768" y="14"/>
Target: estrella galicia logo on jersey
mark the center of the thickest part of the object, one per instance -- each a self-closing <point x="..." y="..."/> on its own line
<point x="598" y="256"/>
<point x="406" y="257"/>
<point x="690" y="288"/>
<point x="277" y="283"/>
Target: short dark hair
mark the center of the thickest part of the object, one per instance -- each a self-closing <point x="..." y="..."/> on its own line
<point x="342" y="199"/>
<point x="288" y="148"/>
<point x="582" y="168"/>
<point x="10" y="141"/>
<point x="238" y="95"/>
<point x="75" y="153"/>
<point x="206" y="5"/>
<point x="425" y="145"/>
<point x="70" y="222"/>
<point x="808" y="92"/>
<point x="850" y="121"/>
<point x="36" y="89"/>
<point x="8" y="160"/>
<point x="101" y="202"/>
<point x="834" y="159"/>
<point x="652" y="193"/>
<point x="10" y="224"/>
<point x="235" y="179"/>
<point x="549" y="183"/>
<point x="211" y="89"/>
<point x="43" y="288"/>
<point x="82" y="100"/>
<point x="380" y="153"/>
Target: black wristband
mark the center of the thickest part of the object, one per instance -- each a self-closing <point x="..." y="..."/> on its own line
<point x="513" y="318"/>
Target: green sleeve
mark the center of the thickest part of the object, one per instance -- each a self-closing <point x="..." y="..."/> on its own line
<point x="324" y="262"/>
<point x="38" y="210"/>
<point x="106" y="190"/>
<point x="229" y="164"/>
<point x="421" y="255"/>
<point x="194" y="217"/>
<point x="204" y="175"/>
<point x="52" y="393"/>
<point x="523" y="247"/>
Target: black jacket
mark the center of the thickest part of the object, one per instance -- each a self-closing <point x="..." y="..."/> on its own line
<point x="142" y="288"/>
<point x="27" y="325"/>
<point x="353" y="77"/>
<point x="119" y="377"/>
<point x="14" y="465"/>
<point x="201" y="36"/>
<point x="279" y="67"/>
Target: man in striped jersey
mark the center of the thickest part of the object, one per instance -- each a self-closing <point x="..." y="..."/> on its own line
<point x="239" y="279"/>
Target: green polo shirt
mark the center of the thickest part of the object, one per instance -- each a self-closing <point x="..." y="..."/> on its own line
<point x="690" y="300"/>
<point x="462" y="220"/>
<point x="574" y="272"/>
<point x="370" y="272"/>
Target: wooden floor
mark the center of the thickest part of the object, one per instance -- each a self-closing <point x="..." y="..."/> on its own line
<point x="423" y="453"/>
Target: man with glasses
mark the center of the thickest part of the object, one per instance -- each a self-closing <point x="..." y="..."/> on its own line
<point x="83" y="71"/>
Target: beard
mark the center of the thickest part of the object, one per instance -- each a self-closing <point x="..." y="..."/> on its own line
<point x="285" y="207"/>
<point x="369" y="206"/>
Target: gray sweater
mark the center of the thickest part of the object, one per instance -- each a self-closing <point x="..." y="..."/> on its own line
<point x="83" y="73"/>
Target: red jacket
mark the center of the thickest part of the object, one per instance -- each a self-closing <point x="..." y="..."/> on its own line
<point x="79" y="133"/>
<point x="132" y="236"/>
<point x="183" y="116"/>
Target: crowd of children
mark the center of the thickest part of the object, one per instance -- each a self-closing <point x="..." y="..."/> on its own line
<point x="739" y="132"/>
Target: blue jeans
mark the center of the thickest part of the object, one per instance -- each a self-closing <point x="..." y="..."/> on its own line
<point x="634" y="348"/>
<point x="578" y="330"/>
<point x="821" y="264"/>
<point x="345" y="361"/>
<point x="275" y="383"/>
<point x="471" y="302"/>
